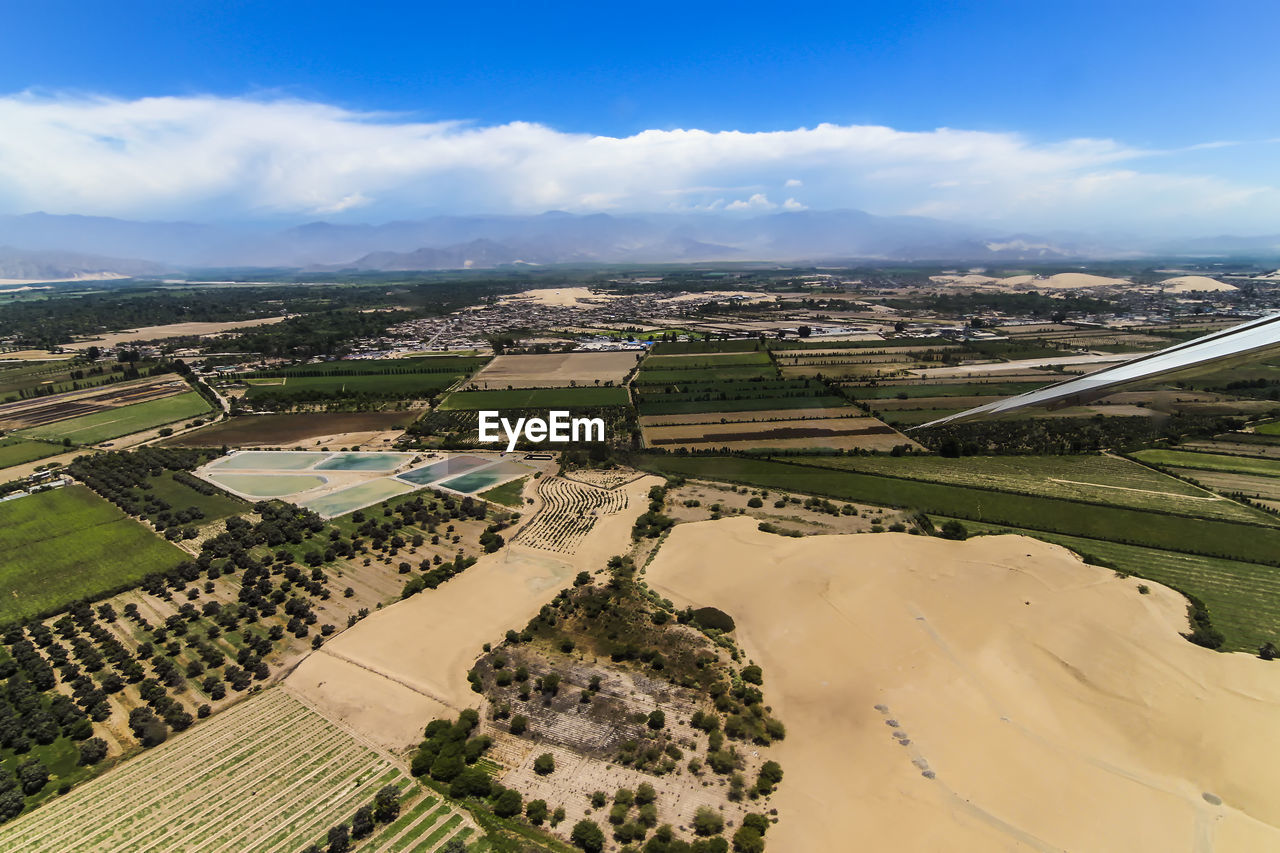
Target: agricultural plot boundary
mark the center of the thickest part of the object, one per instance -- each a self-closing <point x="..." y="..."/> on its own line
<point x="1165" y="531"/>
<point x="569" y="510"/>
<point x="269" y="775"/>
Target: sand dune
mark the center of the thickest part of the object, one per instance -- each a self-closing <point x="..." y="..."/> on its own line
<point x="1194" y="284"/>
<point x="1054" y="706"/>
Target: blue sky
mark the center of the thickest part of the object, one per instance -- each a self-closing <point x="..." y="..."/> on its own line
<point x="1172" y="100"/>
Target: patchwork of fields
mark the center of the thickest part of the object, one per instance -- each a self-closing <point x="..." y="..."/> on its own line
<point x="269" y="775"/>
<point x="555" y="370"/>
<point x="16" y="451"/>
<point x="335" y="381"/>
<point x="125" y="420"/>
<point x="536" y="398"/>
<point x="69" y="543"/>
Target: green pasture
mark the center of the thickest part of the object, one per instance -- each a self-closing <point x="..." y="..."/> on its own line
<point x="124" y="420"/>
<point x="64" y="544"/>
<point x="1211" y="462"/>
<point x="15" y="450"/>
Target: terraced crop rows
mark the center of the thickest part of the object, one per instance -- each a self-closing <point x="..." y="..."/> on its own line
<point x="266" y="775"/>
<point x="569" y="511"/>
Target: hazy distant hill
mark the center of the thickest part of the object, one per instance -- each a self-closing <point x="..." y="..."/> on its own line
<point x="36" y="265"/>
<point x="451" y="242"/>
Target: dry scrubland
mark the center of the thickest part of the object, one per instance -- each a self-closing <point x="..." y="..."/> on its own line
<point x="389" y="674"/>
<point x="172" y="330"/>
<point x="991" y="694"/>
<point x="555" y="370"/>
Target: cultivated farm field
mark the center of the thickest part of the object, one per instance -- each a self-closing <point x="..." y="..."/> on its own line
<point x="1211" y="462"/>
<point x="124" y="420"/>
<point x="269" y="775"/>
<point x="838" y="432"/>
<point x="285" y="430"/>
<point x="536" y="398"/>
<point x="569" y="511"/>
<point x="555" y="370"/>
<point x="16" y="451"/>
<point x="1248" y="542"/>
<point x="1094" y="478"/>
<point x="69" y="543"/>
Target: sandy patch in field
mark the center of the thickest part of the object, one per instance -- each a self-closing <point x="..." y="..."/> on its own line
<point x="1194" y="284"/>
<point x="172" y="330"/>
<point x="721" y="295"/>
<point x="34" y="355"/>
<point x="1057" y="708"/>
<point x="565" y="297"/>
<point x="555" y="370"/>
<point x="425" y="644"/>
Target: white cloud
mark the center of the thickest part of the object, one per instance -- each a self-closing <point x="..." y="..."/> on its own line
<point x="239" y="157"/>
<point x="758" y="201"/>
<point x="792" y="204"/>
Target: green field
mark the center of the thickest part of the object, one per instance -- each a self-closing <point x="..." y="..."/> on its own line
<point x="647" y="376"/>
<point x="411" y="385"/>
<point x="729" y="395"/>
<point x="68" y="543"/>
<point x="125" y="420"/>
<point x="1272" y="428"/>
<point x="1096" y="479"/>
<point x="508" y="494"/>
<point x="55" y="377"/>
<point x="180" y="496"/>
<point x="1243" y="598"/>
<point x="709" y="361"/>
<point x="684" y="348"/>
<point x="16" y="451"/>
<point x="537" y="398"/>
<point x="1207" y="537"/>
<point x="967" y="389"/>
<point x="1211" y="462"/>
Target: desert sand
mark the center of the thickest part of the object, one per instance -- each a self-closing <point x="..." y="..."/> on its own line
<point x="396" y="670"/>
<point x="565" y="297"/>
<point x="172" y="330"/>
<point x="1194" y="284"/>
<point x="994" y="694"/>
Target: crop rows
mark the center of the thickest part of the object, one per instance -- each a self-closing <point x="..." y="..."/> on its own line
<point x="1095" y="479"/>
<point x="270" y="764"/>
<point x="1243" y="598"/>
<point x="569" y="511"/>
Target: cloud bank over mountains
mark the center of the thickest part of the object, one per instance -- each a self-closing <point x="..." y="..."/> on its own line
<point x="227" y="159"/>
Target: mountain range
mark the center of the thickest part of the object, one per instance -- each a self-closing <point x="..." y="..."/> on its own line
<point x="42" y="245"/>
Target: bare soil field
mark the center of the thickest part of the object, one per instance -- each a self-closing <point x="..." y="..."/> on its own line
<point x="844" y="433"/>
<point x="172" y="330"/>
<point x="408" y="662"/>
<point x="60" y="407"/>
<point x="994" y="694"/>
<point x="750" y="417"/>
<point x="343" y="429"/>
<point x="555" y="370"/>
<point x="1006" y="367"/>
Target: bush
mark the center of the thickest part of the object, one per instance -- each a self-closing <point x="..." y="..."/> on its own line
<point x="588" y="836"/>
<point x="954" y="530"/>
<point x="707" y="821"/>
